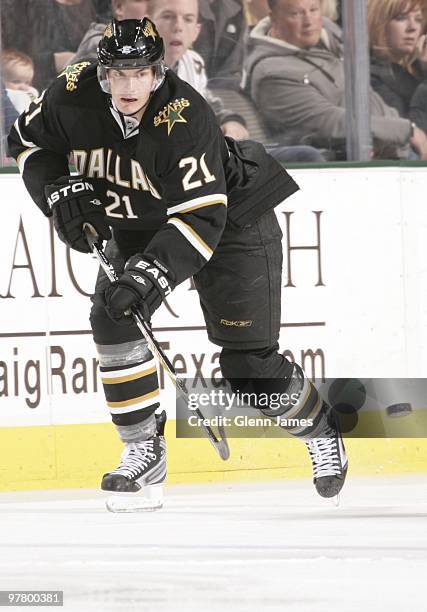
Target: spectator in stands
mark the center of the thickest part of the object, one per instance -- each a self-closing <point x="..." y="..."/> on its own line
<point x="258" y="9"/>
<point x="18" y="74"/>
<point x="330" y="9"/>
<point x="121" y="9"/>
<point x="102" y="8"/>
<point x="255" y="11"/>
<point x="178" y="24"/>
<point x="57" y="29"/>
<point x="16" y="28"/>
<point x="295" y="75"/>
<point x="222" y="40"/>
<point x="418" y="108"/>
<point x="399" y="56"/>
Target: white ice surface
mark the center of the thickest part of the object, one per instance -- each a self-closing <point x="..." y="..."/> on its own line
<point x="238" y="547"/>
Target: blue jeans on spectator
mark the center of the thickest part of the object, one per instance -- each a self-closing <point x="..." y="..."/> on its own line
<point x="296" y="153"/>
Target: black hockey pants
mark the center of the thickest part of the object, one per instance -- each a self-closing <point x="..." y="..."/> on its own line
<point x="240" y="294"/>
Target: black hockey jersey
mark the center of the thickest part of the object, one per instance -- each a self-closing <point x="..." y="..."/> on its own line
<point x="174" y="172"/>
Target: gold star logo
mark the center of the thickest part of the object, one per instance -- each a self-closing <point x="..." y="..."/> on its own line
<point x="72" y="74"/>
<point x="172" y="118"/>
<point x="171" y="114"/>
<point x="149" y="31"/>
<point x="108" y="31"/>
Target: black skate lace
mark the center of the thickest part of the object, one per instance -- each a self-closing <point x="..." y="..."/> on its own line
<point x="135" y="458"/>
<point x="324" y="455"/>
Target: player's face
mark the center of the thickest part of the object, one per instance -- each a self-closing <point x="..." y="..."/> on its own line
<point x="177" y="23"/>
<point x="131" y="88"/>
<point x="19" y="77"/>
<point x="298" y="22"/>
<point x="403" y="32"/>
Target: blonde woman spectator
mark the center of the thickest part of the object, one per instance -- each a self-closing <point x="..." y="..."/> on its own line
<point x="399" y="55"/>
<point x="18" y="74"/>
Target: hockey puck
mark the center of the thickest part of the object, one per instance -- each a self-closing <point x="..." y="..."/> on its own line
<point x="399" y="410"/>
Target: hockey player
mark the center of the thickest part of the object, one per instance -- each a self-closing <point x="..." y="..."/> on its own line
<point x="182" y="201"/>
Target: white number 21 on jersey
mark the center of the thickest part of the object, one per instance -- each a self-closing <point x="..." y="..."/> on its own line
<point x="195" y="164"/>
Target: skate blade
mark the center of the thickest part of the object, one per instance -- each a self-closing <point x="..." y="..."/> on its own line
<point x="149" y="499"/>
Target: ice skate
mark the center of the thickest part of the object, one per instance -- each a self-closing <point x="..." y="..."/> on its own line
<point x="137" y="483"/>
<point x="328" y="458"/>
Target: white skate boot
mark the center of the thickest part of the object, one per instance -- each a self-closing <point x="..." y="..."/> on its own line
<point x="137" y="483"/>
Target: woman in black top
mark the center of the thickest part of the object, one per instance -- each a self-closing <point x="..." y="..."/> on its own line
<point x="399" y="56"/>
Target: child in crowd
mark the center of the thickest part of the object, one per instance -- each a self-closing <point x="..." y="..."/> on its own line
<point x="18" y="74"/>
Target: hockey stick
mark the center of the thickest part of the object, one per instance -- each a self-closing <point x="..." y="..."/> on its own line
<point x="220" y="445"/>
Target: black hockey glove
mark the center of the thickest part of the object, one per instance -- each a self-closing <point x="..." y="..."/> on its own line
<point x="143" y="283"/>
<point x="73" y="202"/>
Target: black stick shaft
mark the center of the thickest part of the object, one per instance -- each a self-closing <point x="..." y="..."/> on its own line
<point x="220" y="445"/>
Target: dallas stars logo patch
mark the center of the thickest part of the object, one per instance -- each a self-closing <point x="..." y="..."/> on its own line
<point x="72" y="73"/>
<point x="171" y="114"/>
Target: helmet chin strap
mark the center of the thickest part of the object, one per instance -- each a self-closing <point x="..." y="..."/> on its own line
<point x="143" y="107"/>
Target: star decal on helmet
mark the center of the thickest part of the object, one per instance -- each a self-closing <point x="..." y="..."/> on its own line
<point x="108" y="32"/>
<point x="171" y="114"/>
<point x="149" y="30"/>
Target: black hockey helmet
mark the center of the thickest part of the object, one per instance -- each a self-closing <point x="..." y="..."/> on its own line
<point x="131" y="43"/>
